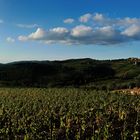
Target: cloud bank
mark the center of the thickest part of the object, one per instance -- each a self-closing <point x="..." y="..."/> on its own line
<point x="92" y="29"/>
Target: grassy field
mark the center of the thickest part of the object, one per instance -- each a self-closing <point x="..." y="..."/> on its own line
<point x="68" y="114"/>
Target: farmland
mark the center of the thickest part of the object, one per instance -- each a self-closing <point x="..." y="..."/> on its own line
<point x="68" y="114"/>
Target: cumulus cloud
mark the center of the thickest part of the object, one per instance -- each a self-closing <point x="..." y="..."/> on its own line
<point x="107" y="30"/>
<point x="10" y="39"/>
<point x="37" y="35"/>
<point x="59" y="30"/>
<point x="132" y="31"/>
<point x="98" y="17"/>
<point x="127" y="21"/>
<point x="94" y="29"/>
<point x="103" y="20"/>
<point x="81" y="31"/>
<point x="27" y="25"/>
<point x="69" y="20"/>
<point x="85" y="18"/>
<point x="50" y="36"/>
<point x="80" y="34"/>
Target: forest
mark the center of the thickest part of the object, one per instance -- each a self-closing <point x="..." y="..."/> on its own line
<point x="89" y="73"/>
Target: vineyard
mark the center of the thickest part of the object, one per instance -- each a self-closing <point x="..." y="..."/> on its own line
<point x="68" y="114"/>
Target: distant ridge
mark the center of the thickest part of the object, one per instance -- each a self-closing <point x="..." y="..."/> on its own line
<point x="71" y="59"/>
<point x="87" y="72"/>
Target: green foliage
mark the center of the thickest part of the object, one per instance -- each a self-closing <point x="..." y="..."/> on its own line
<point x="70" y="73"/>
<point x="54" y="73"/>
<point x="68" y="114"/>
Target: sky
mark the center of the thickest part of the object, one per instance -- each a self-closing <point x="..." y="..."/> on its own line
<point x="65" y="29"/>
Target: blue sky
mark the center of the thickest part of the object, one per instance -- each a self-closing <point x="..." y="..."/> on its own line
<point x="64" y="29"/>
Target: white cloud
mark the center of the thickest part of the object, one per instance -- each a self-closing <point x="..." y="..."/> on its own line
<point x="103" y="20"/>
<point x="39" y="34"/>
<point x="127" y="21"/>
<point x="27" y="25"/>
<point x="132" y="31"/>
<point x="81" y="30"/>
<point x="98" y="17"/>
<point x="101" y="30"/>
<point x="22" y="38"/>
<point x="107" y="30"/>
<point x="59" y="30"/>
<point x="80" y="34"/>
<point x="69" y="20"/>
<point x="10" y="39"/>
<point x="53" y="35"/>
<point x="85" y="18"/>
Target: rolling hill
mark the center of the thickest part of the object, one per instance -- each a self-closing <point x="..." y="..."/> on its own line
<point x="99" y="74"/>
